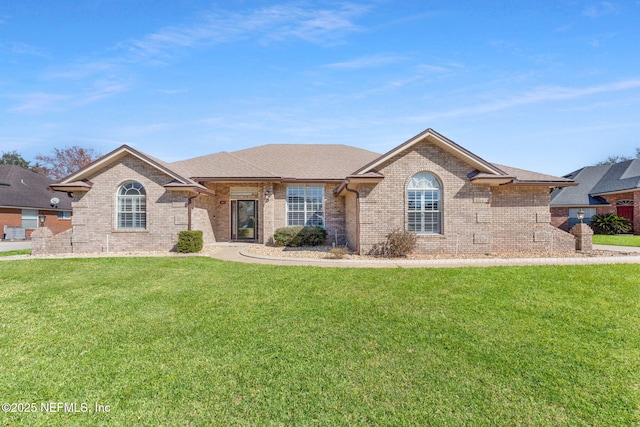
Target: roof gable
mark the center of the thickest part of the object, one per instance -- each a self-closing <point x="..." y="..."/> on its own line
<point x="444" y="143"/>
<point x="114" y="156"/>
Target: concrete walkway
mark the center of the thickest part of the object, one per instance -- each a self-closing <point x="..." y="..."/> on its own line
<point x="236" y="253"/>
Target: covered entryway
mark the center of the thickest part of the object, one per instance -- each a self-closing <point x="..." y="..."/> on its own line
<point x="244" y="223"/>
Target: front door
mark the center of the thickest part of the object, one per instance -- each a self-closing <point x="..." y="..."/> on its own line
<point x="243" y="220"/>
<point x="627" y="212"/>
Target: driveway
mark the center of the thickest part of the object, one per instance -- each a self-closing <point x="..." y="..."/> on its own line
<point x="14" y="245"/>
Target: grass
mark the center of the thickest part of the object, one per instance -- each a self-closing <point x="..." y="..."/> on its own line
<point x="194" y="341"/>
<point x="617" y="240"/>
<point x="16" y="252"/>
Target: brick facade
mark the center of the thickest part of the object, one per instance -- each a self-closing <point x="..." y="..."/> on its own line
<point x="95" y="217"/>
<point x="476" y="219"/>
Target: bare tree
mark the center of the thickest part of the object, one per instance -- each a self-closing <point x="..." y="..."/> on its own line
<point x="65" y="161"/>
<point x="612" y="160"/>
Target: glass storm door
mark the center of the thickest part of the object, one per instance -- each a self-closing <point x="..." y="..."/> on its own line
<point x="243" y="213"/>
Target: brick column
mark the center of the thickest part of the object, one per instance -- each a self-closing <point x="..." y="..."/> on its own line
<point x="268" y="212"/>
<point x="584" y="237"/>
<point x="39" y="239"/>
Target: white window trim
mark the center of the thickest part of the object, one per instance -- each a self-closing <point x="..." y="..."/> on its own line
<point x="305" y="186"/>
<point x="119" y="197"/>
<point x="440" y="223"/>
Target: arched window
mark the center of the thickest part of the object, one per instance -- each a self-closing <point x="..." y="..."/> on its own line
<point x="424" y="215"/>
<point x="132" y="206"/>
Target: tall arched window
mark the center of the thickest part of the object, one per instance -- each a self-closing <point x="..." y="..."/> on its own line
<point x="132" y="206"/>
<point x="424" y="215"/>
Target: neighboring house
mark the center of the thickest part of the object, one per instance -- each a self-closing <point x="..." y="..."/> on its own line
<point x="24" y="196"/>
<point x="456" y="202"/>
<point x="602" y="189"/>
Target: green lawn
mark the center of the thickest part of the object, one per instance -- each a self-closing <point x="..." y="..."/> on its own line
<point x="194" y="341"/>
<point x="16" y="252"/>
<point x="618" y="240"/>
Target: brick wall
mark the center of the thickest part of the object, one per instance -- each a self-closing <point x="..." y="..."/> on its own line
<point x="13" y="218"/>
<point x="43" y="242"/>
<point x="55" y="224"/>
<point x="334" y="212"/>
<point x="523" y="222"/>
<point x="95" y="218"/>
<point x="475" y="219"/>
<point x="10" y="217"/>
<point x="560" y="218"/>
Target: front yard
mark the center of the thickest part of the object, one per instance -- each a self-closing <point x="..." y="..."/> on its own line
<point x="194" y="341"/>
<point x="617" y="240"/>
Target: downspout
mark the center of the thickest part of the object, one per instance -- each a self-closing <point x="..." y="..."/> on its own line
<point x="189" y="210"/>
<point x="346" y="187"/>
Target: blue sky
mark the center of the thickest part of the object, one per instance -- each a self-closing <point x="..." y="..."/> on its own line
<point x="549" y="85"/>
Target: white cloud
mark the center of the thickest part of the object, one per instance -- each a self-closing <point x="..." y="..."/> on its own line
<point x="102" y="89"/>
<point x="539" y="95"/>
<point x="37" y="102"/>
<point x="366" y="62"/>
<point x="599" y="9"/>
<point x="82" y="70"/>
<point x="15" y="48"/>
<point x="280" y="22"/>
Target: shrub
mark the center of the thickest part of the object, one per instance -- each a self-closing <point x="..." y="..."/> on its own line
<point x="399" y="243"/>
<point x="189" y="241"/>
<point x="610" y="223"/>
<point x="300" y="236"/>
<point x="338" y="253"/>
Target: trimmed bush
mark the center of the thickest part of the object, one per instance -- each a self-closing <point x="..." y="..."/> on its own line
<point x="189" y="241"/>
<point x="610" y="223"/>
<point x="399" y="244"/>
<point x="300" y="236"/>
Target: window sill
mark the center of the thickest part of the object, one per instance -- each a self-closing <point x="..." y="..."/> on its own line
<point x="430" y="235"/>
<point x="130" y="230"/>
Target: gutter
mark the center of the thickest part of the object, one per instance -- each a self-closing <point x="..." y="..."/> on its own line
<point x="345" y="186"/>
<point x="190" y="209"/>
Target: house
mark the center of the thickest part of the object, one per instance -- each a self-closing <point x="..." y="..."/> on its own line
<point x="456" y="202"/>
<point x="602" y="189"/>
<point x="24" y="196"/>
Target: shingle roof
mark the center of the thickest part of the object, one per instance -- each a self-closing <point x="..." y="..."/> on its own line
<point x="525" y="176"/>
<point x="280" y="161"/>
<point x="595" y="181"/>
<point x="22" y="188"/>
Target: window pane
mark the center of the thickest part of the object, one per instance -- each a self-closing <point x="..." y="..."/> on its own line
<point x="29" y="218"/>
<point x="305" y="205"/>
<point x="132" y="206"/>
<point x="423" y="204"/>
